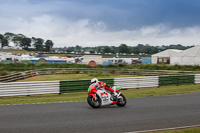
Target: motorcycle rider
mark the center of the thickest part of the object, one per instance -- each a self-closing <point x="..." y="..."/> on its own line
<point x="101" y="84"/>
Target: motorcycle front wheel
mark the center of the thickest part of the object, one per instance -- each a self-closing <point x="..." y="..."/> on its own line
<point x="94" y="103"/>
<point x="121" y="101"/>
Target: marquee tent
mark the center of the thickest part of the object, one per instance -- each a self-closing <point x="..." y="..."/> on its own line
<point x="189" y="56"/>
<point x="93" y="58"/>
<point x="164" y="54"/>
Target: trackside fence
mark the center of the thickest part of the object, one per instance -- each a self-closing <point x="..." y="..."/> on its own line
<point x="29" y="88"/>
<point x="47" y="87"/>
<point x="17" y="76"/>
<point x="137" y="82"/>
<point x="197" y="79"/>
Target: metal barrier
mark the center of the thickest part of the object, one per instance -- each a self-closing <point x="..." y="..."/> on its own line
<point x="47" y="87"/>
<point x="29" y="88"/>
<point x="136" y="82"/>
<point x="197" y="79"/>
<point x="17" y="76"/>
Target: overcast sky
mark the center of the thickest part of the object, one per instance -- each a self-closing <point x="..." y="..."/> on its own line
<point x="104" y="22"/>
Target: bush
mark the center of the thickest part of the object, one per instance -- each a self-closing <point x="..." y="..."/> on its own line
<point x="3" y="73"/>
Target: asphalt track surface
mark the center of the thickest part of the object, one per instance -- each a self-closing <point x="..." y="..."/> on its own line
<point x="78" y="117"/>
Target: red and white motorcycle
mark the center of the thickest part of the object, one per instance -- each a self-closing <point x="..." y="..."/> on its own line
<point x="98" y="97"/>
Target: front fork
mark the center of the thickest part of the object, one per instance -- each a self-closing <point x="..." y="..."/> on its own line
<point x="118" y="94"/>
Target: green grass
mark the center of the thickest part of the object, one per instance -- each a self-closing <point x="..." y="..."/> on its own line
<point x="30" y="66"/>
<point x="47" y="98"/>
<point x="16" y="51"/>
<point x="81" y="96"/>
<point x="72" y="77"/>
<point x="187" y="130"/>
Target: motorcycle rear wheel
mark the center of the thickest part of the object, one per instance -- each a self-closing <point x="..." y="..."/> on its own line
<point x="121" y="101"/>
<point x="94" y="103"/>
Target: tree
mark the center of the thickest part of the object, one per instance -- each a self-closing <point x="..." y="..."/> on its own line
<point x="123" y="48"/>
<point x="114" y="49"/>
<point x="70" y="49"/>
<point x="78" y="49"/>
<point x="38" y="43"/>
<point x="25" y="43"/>
<point x="107" y="49"/>
<point x="17" y="40"/>
<point x="146" y="49"/>
<point x="48" y="45"/>
<point x="1" y="38"/>
<point x="3" y="41"/>
<point x="99" y="50"/>
<point x="9" y="36"/>
<point x="20" y="40"/>
<point x="135" y="50"/>
<point x="91" y="52"/>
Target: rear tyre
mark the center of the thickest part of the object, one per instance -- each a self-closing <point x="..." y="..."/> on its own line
<point x="94" y="103"/>
<point x="121" y="101"/>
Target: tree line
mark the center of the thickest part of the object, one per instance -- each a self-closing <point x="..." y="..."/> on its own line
<point x="123" y="48"/>
<point x="39" y="44"/>
<point x="20" y="40"/>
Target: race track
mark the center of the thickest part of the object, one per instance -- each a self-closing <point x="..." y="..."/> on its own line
<point x="78" y="117"/>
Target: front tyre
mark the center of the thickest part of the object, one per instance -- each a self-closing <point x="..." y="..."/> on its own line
<point x="94" y="103"/>
<point x="121" y="100"/>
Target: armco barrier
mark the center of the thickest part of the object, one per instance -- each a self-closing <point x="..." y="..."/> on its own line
<point x="197" y="79"/>
<point x="47" y="87"/>
<point x="176" y="80"/>
<point x="79" y="85"/>
<point x="28" y="88"/>
<point x="136" y="82"/>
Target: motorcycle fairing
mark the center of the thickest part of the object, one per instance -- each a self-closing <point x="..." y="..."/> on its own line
<point x="118" y="88"/>
<point x="114" y="102"/>
<point x="105" y="97"/>
<point x="92" y="91"/>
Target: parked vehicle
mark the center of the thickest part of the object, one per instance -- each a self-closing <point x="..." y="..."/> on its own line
<point x="98" y="97"/>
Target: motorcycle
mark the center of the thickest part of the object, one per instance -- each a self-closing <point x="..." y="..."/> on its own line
<point x="98" y="97"/>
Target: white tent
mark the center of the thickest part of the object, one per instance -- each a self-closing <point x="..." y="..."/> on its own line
<point x="9" y="56"/>
<point x="164" y="54"/>
<point x="97" y="58"/>
<point x="190" y="56"/>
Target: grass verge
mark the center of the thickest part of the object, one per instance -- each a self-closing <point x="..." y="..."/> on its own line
<point x="15" y="51"/>
<point x="82" y="96"/>
<point x="72" y="77"/>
